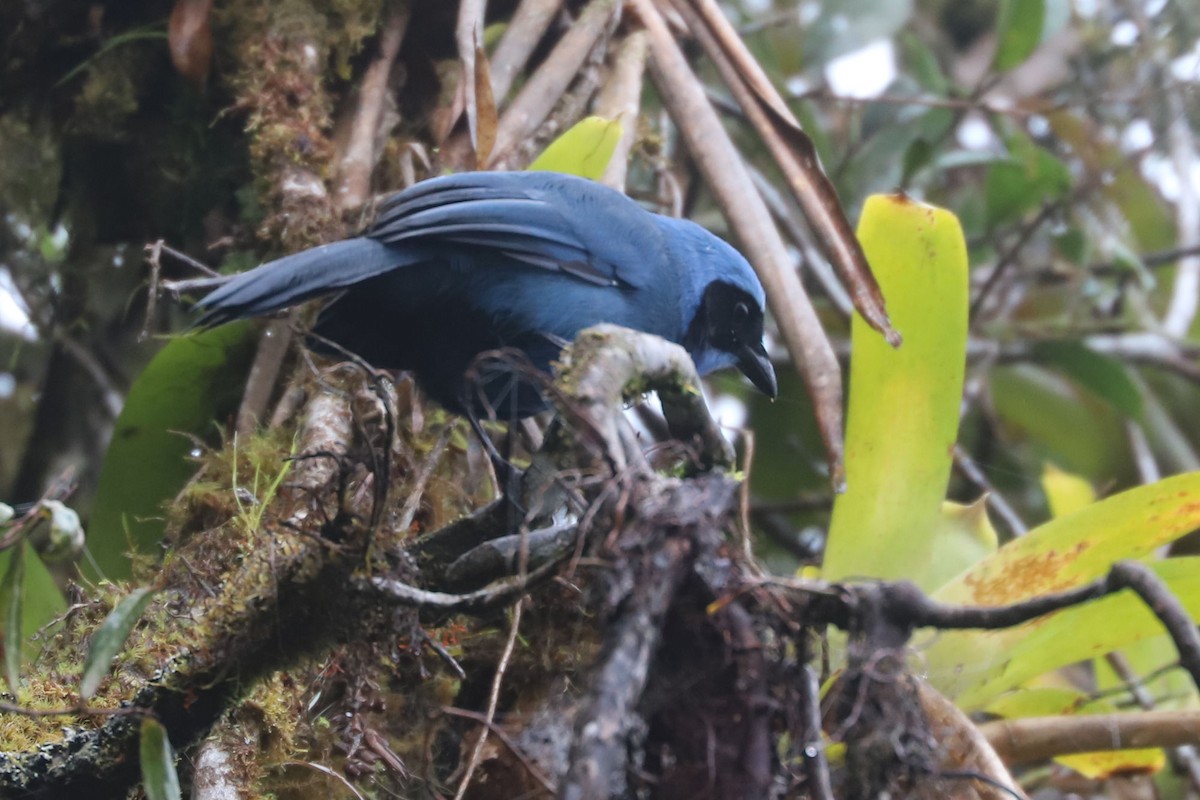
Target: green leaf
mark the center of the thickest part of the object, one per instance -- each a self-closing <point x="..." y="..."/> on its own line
<point x="12" y="591"/>
<point x="1018" y="31"/>
<point x="903" y="412"/>
<point x="1065" y="552"/>
<point x="1066" y="492"/>
<point x="965" y="536"/>
<point x="109" y="637"/>
<point x="976" y="666"/>
<point x="191" y="382"/>
<point x="1060" y="422"/>
<point x="1099" y="373"/>
<point x="159" y="778"/>
<point x="584" y="150"/>
<point x="40" y="599"/>
<point x="1032" y="177"/>
<point x="916" y="157"/>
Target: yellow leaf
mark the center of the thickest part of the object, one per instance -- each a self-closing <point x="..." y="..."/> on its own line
<point x="904" y="403"/>
<point x="1066" y="493"/>
<point x="584" y="150"/>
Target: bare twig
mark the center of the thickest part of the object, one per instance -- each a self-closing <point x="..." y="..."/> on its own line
<point x="112" y="397"/>
<point x="543" y="89"/>
<point x="493" y="701"/>
<point x="153" y="254"/>
<point x="1020" y="741"/>
<point x="819" y="785"/>
<point x="811" y="257"/>
<point x="352" y="186"/>
<point x="725" y="172"/>
<point x="1008" y="258"/>
<point x="967" y="466"/>
<point x="512" y="746"/>
<point x="526" y="28"/>
<point x="619" y="99"/>
<point x="1154" y="593"/>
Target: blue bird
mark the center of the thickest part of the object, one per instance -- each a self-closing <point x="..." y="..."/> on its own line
<point x="459" y="265"/>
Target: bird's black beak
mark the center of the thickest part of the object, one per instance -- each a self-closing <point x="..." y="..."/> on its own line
<point x="755" y="365"/>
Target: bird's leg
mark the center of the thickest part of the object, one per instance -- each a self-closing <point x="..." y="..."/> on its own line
<point x="508" y="475"/>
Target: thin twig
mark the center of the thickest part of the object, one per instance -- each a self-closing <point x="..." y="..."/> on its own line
<point x="493" y="700"/>
<point x="543" y="89"/>
<point x="512" y="746"/>
<point x="1009" y="258"/>
<point x="353" y="184"/>
<point x="620" y="98"/>
<point x="112" y="397"/>
<point x="526" y="28"/>
<point x="967" y="466"/>
<point x="820" y="786"/>
<point x="273" y="346"/>
<point x="1020" y="741"/>
<point x="1166" y="606"/>
<point x="416" y="491"/>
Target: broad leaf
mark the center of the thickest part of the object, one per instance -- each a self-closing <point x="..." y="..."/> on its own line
<point x="903" y="414"/>
<point x="1018" y="31"/>
<point x="190" y="384"/>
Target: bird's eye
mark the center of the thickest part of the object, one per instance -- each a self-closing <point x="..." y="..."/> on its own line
<point x="741" y="313"/>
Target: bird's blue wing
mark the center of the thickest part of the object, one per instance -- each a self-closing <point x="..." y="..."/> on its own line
<point x="300" y="276"/>
<point x="559" y="223"/>
<point x="556" y="222"/>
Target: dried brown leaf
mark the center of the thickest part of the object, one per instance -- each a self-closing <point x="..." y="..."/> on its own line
<point x="485" y="110"/>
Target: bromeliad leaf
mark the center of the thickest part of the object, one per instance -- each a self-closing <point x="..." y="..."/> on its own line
<point x="584" y="150"/>
<point x="159" y="778"/>
<point x="903" y="415"/>
<point x="12" y="591"/>
<point x="107" y="640"/>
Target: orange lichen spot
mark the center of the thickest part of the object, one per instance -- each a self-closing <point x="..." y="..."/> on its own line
<point x="1027" y="576"/>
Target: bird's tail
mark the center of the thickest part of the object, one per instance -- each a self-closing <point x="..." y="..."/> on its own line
<point x="299" y="277"/>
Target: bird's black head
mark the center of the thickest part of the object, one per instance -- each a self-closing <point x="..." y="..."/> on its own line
<point x="728" y="330"/>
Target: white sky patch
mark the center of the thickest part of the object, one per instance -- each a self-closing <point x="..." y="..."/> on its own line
<point x="1138" y="135"/>
<point x="8" y="385"/>
<point x="798" y="84"/>
<point x="808" y="12"/>
<point x="1159" y="170"/>
<point x="864" y="73"/>
<point x="1124" y="33"/>
<point x="1187" y="66"/>
<point x="730" y="413"/>
<point x="975" y="133"/>
<point x="14" y="315"/>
